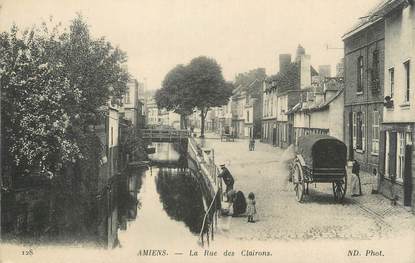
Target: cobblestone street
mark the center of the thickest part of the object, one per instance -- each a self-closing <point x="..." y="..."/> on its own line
<point x="281" y="217"/>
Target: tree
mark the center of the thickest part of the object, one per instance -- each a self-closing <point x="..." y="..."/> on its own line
<point x="52" y="85"/>
<point x="94" y="67"/>
<point x="34" y="91"/>
<point x="175" y="94"/>
<point x="208" y="87"/>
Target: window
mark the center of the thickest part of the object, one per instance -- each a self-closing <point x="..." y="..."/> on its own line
<point x="375" y="70"/>
<point x="360" y="74"/>
<point x="360" y="131"/>
<point x="127" y="97"/>
<point x="375" y="132"/>
<point x="247" y="116"/>
<point x="400" y="156"/>
<point x="354" y="129"/>
<point x="387" y="151"/>
<point x="112" y="136"/>
<point x="391" y="81"/>
<point x="407" y="80"/>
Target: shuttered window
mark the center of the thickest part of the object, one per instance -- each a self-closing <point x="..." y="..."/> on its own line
<point x="392" y="153"/>
<point x="354" y="129"/>
<point x="363" y="131"/>
<point x="400" y="156"/>
<point x="375" y="132"/>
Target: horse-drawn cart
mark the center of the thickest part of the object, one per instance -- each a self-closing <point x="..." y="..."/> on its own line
<point x="319" y="159"/>
<point x="227" y="134"/>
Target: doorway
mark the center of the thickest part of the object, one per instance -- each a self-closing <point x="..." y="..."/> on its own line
<point x="274" y="136"/>
<point x="351" y="151"/>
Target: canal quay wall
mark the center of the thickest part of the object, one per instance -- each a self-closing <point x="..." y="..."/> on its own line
<point x="202" y="164"/>
<point x="201" y="160"/>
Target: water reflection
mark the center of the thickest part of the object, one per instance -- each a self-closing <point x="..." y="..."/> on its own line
<point x="172" y="204"/>
<point x="138" y="205"/>
<point x="181" y="196"/>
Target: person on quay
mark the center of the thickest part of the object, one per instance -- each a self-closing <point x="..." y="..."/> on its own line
<point x="356" y="184"/>
<point x="251" y="208"/>
<point x="252" y="144"/>
<point x="227" y="178"/>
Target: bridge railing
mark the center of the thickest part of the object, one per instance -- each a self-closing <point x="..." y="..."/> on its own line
<point x="169" y="134"/>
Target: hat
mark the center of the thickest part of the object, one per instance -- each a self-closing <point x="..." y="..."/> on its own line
<point x="222" y="165"/>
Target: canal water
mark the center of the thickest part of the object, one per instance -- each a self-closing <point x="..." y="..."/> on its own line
<point x="143" y="207"/>
<point x="170" y="207"/>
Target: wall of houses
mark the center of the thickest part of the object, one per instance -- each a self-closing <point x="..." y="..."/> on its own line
<point x="397" y="164"/>
<point x="399" y="49"/>
<point x="269" y="116"/>
<point x="360" y="105"/>
<point x="331" y="119"/>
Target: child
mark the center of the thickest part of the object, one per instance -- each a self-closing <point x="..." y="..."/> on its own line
<point x="251" y="209"/>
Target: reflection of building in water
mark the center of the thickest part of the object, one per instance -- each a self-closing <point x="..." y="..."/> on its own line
<point x="165" y="152"/>
<point x="182" y="197"/>
<point x="128" y="188"/>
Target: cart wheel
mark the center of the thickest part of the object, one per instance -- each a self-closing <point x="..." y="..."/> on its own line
<point x="339" y="189"/>
<point x="298" y="182"/>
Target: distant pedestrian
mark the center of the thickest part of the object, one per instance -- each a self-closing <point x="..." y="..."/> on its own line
<point x="356" y="184"/>
<point x="227" y="178"/>
<point x="251" y="208"/>
<point x="252" y="144"/>
<point x="374" y="181"/>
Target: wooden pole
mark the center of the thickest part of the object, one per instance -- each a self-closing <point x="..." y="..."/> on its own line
<point x="1" y="171"/>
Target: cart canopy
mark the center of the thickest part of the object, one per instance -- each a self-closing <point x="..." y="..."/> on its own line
<point x="322" y="151"/>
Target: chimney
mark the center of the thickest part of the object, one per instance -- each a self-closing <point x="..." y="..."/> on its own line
<point x="285" y="60"/>
<point x="305" y="73"/>
<point x="300" y="52"/>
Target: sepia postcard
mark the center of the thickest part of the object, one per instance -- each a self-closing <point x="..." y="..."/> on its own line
<point x="207" y="131"/>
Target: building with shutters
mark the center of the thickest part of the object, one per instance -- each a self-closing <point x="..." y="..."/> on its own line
<point x="363" y="92"/>
<point x="397" y="164"/>
<point x="281" y="93"/>
<point x="247" y="110"/>
<point x="320" y="111"/>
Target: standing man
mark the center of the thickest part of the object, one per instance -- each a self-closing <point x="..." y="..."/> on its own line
<point x="227" y="178"/>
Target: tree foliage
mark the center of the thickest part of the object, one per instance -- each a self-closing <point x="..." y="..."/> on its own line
<point x="198" y="85"/>
<point x="175" y="93"/>
<point x="209" y="88"/>
<point x="52" y="83"/>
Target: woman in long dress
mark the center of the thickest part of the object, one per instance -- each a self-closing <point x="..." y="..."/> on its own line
<point x="355" y="180"/>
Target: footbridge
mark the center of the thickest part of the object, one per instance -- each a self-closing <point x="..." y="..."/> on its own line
<point x="165" y="135"/>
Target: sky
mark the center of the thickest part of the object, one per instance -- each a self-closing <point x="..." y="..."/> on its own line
<point x="240" y="34"/>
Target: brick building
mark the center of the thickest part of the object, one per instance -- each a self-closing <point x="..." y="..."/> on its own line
<point x="282" y="92"/>
<point x="363" y="94"/>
